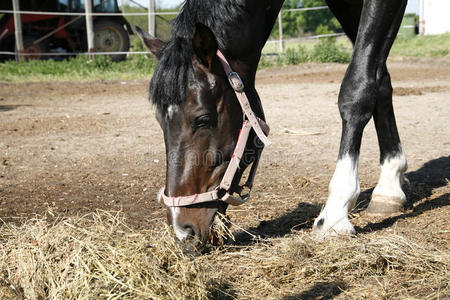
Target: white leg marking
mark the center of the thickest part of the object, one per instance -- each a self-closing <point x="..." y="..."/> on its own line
<point x="389" y="188"/>
<point x="343" y="192"/>
<point x="180" y="233"/>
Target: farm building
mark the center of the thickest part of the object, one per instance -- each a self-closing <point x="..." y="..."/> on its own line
<point x="434" y="16"/>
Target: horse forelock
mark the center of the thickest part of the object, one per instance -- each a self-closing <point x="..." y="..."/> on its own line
<point x="170" y="79"/>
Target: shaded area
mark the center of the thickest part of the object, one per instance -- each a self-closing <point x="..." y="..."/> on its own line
<point x="418" y="91"/>
<point x="433" y="174"/>
<point x="418" y="210"/>
<point x="320" y="291"/>
<point x="11" y="107"/>
<point x="300" y="218"/>
<point x="220" y="291"/>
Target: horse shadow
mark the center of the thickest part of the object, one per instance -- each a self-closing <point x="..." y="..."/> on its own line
<point x="11" y="107"/>
<point x="321" y="290"/>
<point x="433" y="174"/>
<point x="301" y="217"/>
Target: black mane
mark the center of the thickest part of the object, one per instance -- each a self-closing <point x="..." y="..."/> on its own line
<point x="169" y="81"/>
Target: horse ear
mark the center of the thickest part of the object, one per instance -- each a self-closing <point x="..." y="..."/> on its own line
<point x="204" y="44"/>
<point x="154" y="45"/>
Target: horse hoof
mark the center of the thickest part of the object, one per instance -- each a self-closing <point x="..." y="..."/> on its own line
<point x="384" y="205"/>
<point x="323" y="229"/>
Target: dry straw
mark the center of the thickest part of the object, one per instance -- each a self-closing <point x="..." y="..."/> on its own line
<point x="99" y="257"/>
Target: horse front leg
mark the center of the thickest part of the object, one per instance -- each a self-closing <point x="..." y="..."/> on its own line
<point x="358" y="98"/>
<point x="388" y="196"/>
<point x="356" y="103"/>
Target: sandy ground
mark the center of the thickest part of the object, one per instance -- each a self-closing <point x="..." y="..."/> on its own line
<point x="70" y="148"/>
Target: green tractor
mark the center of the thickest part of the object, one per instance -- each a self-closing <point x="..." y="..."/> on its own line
<point x="61" y="34"/>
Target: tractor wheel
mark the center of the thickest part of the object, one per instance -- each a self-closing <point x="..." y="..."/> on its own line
<point x="34" y="50"/>
<point x="110" y="36"/>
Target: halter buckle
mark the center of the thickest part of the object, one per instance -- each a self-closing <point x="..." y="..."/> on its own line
<point x="236" y="82"/>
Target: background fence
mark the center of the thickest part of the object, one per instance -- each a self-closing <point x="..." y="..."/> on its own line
<point x="293" y="24"/>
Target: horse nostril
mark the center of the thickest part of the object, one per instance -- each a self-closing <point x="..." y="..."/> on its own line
<point x="188" y="230"/>
<point x="184" y="231"/>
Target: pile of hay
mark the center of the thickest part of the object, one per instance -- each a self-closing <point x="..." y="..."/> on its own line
<point x="99" y="257"/>
<point x="366" y="267"/>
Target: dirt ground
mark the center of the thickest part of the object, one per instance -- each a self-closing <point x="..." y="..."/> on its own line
<point x="69" y="148"/>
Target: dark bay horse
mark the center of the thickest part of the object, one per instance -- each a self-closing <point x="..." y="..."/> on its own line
<point x="213" y="121"/>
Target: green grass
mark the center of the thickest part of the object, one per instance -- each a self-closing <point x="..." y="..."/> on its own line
<point x="339" y="50"/>
<point x="309" y="44"/>
<point x="79" y="69"/>
<point x="325" y="50"/>
<point x="423" y="46"/>
<point x="142" y="66"/>
<point x="417" y="46"/>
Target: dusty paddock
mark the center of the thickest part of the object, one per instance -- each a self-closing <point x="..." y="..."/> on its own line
<point x="71" y="148"/>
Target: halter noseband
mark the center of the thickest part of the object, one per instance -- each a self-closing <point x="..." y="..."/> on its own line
<point x="222" y="192"/>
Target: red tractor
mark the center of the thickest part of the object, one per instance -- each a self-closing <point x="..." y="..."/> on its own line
<point x="61" y="34"/>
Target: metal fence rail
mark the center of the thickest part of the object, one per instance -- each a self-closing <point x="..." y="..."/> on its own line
<point x="19" y="54"/>
<point x="151" y="13"/>
<point x="73" y="53"/>
<point x="29" y="12"/>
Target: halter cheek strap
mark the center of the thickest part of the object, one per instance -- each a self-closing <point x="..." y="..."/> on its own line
<point x="222" y="192"/>
<point x="238" y="86"/>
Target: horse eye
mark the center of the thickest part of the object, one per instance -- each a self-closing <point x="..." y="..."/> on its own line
<point x="202" y="121"/>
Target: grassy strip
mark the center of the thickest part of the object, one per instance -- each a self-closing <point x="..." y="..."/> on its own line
<point x="326" y="50"/>
<point x="78" y="69"/>
<point x="142" y="66"/>
<point x="339" y="50"/>
<point x="423" y="46"/>
<point x="417" y="46"/>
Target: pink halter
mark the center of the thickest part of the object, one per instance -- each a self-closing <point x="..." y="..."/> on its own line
<point x="261" y="129"/>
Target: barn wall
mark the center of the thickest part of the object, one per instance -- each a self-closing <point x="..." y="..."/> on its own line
<point x="434" y="16"/>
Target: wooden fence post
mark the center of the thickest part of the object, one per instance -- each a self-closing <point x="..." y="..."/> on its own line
<point x="280" y="31"/>
<point x="122" y="6"/>
<point x="421" y="17"/>
<point x="151" y="18"/>
<point x="18" y="30"/>
<point x="89" y="27"/>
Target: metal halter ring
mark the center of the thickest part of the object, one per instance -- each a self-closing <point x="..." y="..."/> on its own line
<point x="236" y="82"/>
<point x="244" y="191"/>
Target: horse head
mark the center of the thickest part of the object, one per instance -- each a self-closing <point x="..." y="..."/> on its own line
<point x="201" y="118"/>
